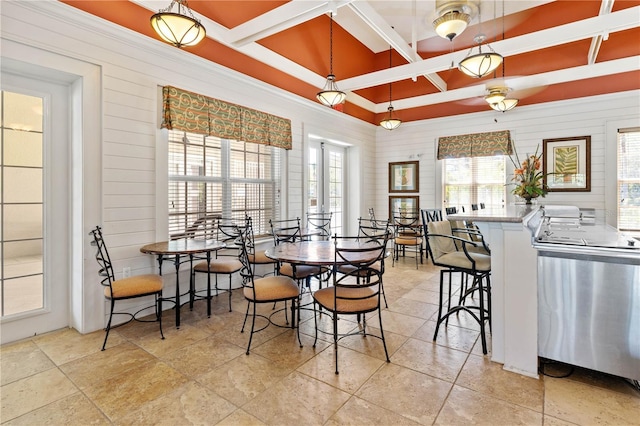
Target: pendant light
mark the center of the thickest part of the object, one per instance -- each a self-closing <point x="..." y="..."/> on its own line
<point x="179" y="29"/>
<point x="390" y="122"/>
<point x="482" y="63"/>
<point x="330" y="94"/>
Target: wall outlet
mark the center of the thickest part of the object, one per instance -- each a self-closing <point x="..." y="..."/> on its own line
<point x="126" y="272"/>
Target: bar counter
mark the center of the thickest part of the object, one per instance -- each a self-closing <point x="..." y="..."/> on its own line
<point x="514" y="293"/>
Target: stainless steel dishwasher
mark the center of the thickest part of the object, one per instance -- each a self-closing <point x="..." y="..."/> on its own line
<point x="588" y="292"/>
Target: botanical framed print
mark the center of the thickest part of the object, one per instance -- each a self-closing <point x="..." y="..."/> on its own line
<point x="403" y="176"/>
<point x="410" y="203"/>
<point x="566" y="164"/>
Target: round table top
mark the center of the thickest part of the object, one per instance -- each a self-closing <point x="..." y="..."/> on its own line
<point x="316" y="252"/>
<point x="183" y="246"/>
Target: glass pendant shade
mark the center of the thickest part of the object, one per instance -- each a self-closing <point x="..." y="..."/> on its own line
<point x="451" y="24"/>
<point x="495" y="96"/>
<point x="505" y="105"/>
<point x="480" y="64"/>
<point x="177" y="28"/>
<point x="390" y="122"/>
<point x="330" y="94"/>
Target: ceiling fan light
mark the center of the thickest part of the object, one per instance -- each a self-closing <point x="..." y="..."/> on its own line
<point x="390" y="123"/>
<point x="505" y="105"/>
<point x="495" y="96"/>
<point x="451" y="24"/>
<point x="177" y="28"/>
<point x="330" y="95"/>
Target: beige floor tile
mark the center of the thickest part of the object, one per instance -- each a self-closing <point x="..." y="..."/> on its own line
<point x="127" y="392"/>
<point x="244" y="377"/>
<point x="240" y="418"/>
<point x="357" y="412"/>
<point x="20" y="360"/>
<point x="373" y="346"/>
<point x="75" y="409"/>
<point x="489" y="378"/>
<point x="198" y="358"/>
<point x="552" y="421"/>
<point x="589" y="377"/>
<point x="286" y="349"/>
<point x="297" y="399"/>
<point x="425" y="296"/>
<point x="587" y="405"/>
<point x="400" y="323"/>
<point x="434" y="360"/>
<point x="346" y="324"/>
<point x="354" y="368"/>
<point x="409" y="393"/>
<point x="66" y="345"/>
<point x="103" y="365"/>
<point x="188" y="404"/>
<point x="174" y="339"/>
<point x="413" y="307"/>
<point x="465" y="407"/>
<point x="33" y="392"/>
<point x="450" y="336"/>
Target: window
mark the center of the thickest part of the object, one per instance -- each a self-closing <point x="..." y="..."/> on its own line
<point x="629" y="179"/>
<point x="474" y="180"/>
<point x="209" y="176"/>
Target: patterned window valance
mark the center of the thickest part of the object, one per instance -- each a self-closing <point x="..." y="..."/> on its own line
<point x="475" y="145"/>
<point x="191" y="112"/>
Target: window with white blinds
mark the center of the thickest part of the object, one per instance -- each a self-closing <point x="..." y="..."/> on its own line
<point x="474" y="180"/>
<point x="213" y="177"/>
<point x="629" y="179"/>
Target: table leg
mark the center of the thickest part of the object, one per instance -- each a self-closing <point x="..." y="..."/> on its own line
<point x="192" y="283"/>
<point x="209" y="284"/>
<point x="177" y="264"/>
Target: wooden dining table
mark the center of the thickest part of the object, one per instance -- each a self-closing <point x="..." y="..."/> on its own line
<point x="177" y="249"/>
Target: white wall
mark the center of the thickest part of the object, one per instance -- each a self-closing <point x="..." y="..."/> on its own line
<point x="127" y="177"/>
<point x="529" y="125"/>
<point x="129" y="197"/>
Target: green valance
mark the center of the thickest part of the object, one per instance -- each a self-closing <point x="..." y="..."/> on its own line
<point x="475" y="145"/>
<point x="192" y="112"/>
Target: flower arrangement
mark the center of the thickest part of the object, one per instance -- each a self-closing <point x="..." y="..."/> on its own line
<point x="528" y="177"/>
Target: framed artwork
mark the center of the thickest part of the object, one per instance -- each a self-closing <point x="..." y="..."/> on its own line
<point x="403" y="176"/>
<point x="406" y="203"/>
<point x="566" y="164"/>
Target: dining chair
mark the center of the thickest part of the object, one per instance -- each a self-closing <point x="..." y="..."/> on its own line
<point x="125" y="288"/>
<point x="225" y="261"/>
<point x="350" y="294"/>
<point x="442" y="248"/>
<point x="258" y="257"/>
<point x="271" y="289"/>
<point x="322" y="222"/>
<point x="288" y="231"/>
<point x="407" y="233"/>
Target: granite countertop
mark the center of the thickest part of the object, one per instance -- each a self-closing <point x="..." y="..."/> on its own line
<point x="514" y="213"/>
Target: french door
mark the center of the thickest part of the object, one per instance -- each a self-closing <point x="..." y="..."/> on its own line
<point x="34" y="206"/>
<point x="326" y="183"/>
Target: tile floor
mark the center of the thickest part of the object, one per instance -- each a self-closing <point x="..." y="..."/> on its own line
<point x="201" y="375"/>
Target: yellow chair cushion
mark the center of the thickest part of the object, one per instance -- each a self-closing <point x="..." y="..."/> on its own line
<point x="271" y="288"/>
<point x="302" y="271"/>
<point x="408" y="240"/>
<point x="352" y="302"/>
<point x="459" y="260"/>
<point x="220" y="266"/>
<point x="134" y="286"/>
<point x="260" y="258"/>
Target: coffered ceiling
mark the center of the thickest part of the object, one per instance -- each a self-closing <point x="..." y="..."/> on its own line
<point x="553" y="50"/>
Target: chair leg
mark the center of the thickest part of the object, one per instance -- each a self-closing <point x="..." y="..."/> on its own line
<point x="159" y="313"/>
<point x="315" y="322"/>
<point x="246" y="314"/>
<point x="483" y="337"/>
<point x="335" y="337"/>
<point x="435" y="334"/>
<point x="253" y="326"/>
<point x="230" y="293"/>
<point x="384" y="342"/>
<point x="104" y="344"/>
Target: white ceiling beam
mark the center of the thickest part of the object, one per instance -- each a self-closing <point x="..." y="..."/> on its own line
<point x="378" y="24"/>
<point x="580" y="30"/>
<point x="605" y="7"/>
<point x="281" y="18"/>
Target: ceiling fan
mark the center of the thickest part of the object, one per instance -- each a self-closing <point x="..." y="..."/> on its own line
<point x="503" y="94"/>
